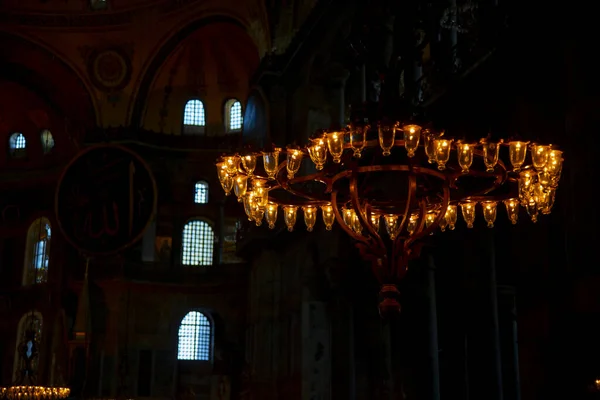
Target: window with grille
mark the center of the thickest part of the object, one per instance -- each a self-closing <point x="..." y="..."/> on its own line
<point x="37" y="256"/>
<point x="195" y="337"/>
<point x="198" y="243"/>
<point x="233" y="115"/>
<point x="47" y="141"/>
<point x="17" y="144"/>
<point x="193" y="117"/>
<point x="201" y="195"/>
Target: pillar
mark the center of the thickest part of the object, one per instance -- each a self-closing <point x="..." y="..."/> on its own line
<point x="432" y="348"/>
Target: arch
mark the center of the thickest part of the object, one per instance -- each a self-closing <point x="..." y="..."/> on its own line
<point x="17" y="144"/>
<point x="47" y="141"/>
<point x="194" y="117"/>
<point x="197" y="243"/>
<point x="42" y="69"/>
<point x="170" y="44"/>
<point x="201" y="192"/>
<point x="29" y="324"/>
<point x="233" y="115"/>
<point x="195" y="337"/>
<point x="37" y="252"/>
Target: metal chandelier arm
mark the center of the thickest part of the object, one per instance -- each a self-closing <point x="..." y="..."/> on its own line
<point x="340" y="220"/>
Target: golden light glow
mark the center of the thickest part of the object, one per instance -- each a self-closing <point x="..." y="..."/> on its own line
<point x="231" y="164"/>
<point x="387" y="135"/>
<point x="318" y="152"/>
<point x="442" y="152"/>
<point x="34" y="393"/>
<point x="375" y="219"/>
<point x="335" y="144"/>
<point x="222" y="172"/>
<point x="412" y="134"/>
<point x="539" y="155"/>
<point x="358" y="137"/>
<point x="517" y="151"/>
<point x="227" y="184"/>
<point x="240" y="186"/>
<point x="412" y="223"/>
<point x="468" y="212"/>
<point x="249" y="164"/>
<point x="464" y="151"/>
<point x="328" y="216"/>
<point x="310" y="216"/>
<point x="271" y="215"/>
<point x="451" y="216"/>
<point x="392" y="225"/>
<point x="512" y="209"/>
<point x="429" y="138"/>
<point x="289" y="216"/>
<point x="491" y="153"/>
<point x="271" y="162"/>
<point x="294" y="161"/>
<point x="489" y="212"/>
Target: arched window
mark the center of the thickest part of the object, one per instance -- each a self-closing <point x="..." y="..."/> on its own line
<point x="233" y="115"/>
<point x="17" y="144"/>
<point x="29" y="336"/>
<point x="195" y="337"/>
<point x="201" y="195"/>
<point x="193" y="117"/>
<point x="198" y="243"/>
<point x="47" y="141"/>
<point x="99" y="4"/>
<point x="37" y="252"/>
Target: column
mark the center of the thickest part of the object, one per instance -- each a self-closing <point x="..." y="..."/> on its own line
<point x="433" y="348"/>
<point x="507" y="315"/>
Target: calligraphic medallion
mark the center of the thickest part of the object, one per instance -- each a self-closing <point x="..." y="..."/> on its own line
<point x="110" y="70"/>
<point x="105" y="199"/>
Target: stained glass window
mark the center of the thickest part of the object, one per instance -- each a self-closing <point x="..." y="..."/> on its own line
<point x="194" y="337"/>
<point x="198" y="243"/>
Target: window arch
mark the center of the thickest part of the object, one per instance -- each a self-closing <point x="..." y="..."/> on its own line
<point x="29" y="336"/>
<point x="194" y="117"/>
<point x="17" y="144"/>
<point x="201" y="192"/>
<point x="197" y="243"/>
<point x="195" y="337"/>
<point x="37" y="252"/>
<point x="47" y="141"/>
<point x="233" y="116"/>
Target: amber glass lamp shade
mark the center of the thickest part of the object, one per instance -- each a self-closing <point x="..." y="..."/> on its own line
<point x="249" y="164"/>
<point x="491" y="152"/>
<point x="429" y="139"/>
<point x="464" y="152"/>
<point x="468" y="212"/>
<point x="539" y="155"/>
<point x="392" y="225"/>
<point x="442" y="152"/>
<point x="294" y="161"/>
<point x="358" y="137"/>
<point x="271" y="162"/>
<point x="512" y="210"/>
<point x="375" y="219"/>
<point x="310" y="216"/>
<point x="271" y="215"/>
<point x="451" y="216"/>
<point x="335" y="144"/>
<point x="489" y="212"/>
<point x="413" y="221"/>
<point x="517" y="151"/>
<point x="227" y="184"/>
<point x="387" y="136"/>
<point x="412" y="135"/>
<point x="240" y="186"/>
<point x="289" y="216"/>
<point x="318" y="152"/>
<point x="328" y="216"/>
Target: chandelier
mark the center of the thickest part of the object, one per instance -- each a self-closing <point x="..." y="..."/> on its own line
<point x="34" y="393"/>
<point x="392" y="186"/>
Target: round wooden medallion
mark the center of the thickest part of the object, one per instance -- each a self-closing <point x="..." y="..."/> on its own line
<point x="105" y="199"/>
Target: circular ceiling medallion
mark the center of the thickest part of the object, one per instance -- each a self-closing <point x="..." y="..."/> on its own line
<point x="110" y="70"/>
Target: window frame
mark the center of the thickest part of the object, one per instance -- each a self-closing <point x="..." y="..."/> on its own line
<point x="46" y="149"/>
<point x="30" y="259"/>
<point x="13" y="139"/>
<point x="211" y="336"/>
<point x="183" y="243"/>
<point x="207" y="189"/>
<point x="197" y="129"/>
<point x="21" y="333"/>
<point x="227" y="106"/>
